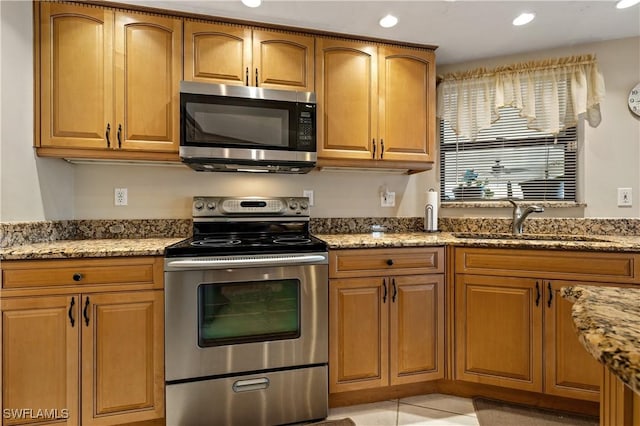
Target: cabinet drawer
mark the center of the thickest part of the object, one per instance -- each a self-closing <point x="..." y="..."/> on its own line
<point x="572" y="265"/>
<point x="113" y="271"/>
<point x="364" y="262"/>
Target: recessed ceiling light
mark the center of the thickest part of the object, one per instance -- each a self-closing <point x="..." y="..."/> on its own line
<point x="623" y="4"/>
<point x="252" y="3"/>
<point x="524" y="18"/>
<point x="388" y="21"/>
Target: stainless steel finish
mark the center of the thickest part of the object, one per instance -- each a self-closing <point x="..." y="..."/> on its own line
<point x="215" y="402"/>
<point x="274" y="207"/>
<point x="520" y="215"/>
<point x="247" y="92"/>
<point x="223" y="262"/>
<point x="186" y="360"/>
<point x="250" y="160"/>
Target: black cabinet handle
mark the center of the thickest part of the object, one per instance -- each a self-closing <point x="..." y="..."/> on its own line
<point x="537" y="293"/>
<point x="384" y="295"/>
<point x="107" y="134"/>
<point x="119" y="135"/>
<point x="390" y="262"/>
<point x="246" y="77"/>
<point x="381" y="148"/>
<point x="550" y="295"/>
<point x="71" y="305"/>
<point x="373" y="142"/>
<point x="395" y="290"/>
<point x="77" y="277"/>
<point x="85" y="312"/>
<point x="256" y="77"/>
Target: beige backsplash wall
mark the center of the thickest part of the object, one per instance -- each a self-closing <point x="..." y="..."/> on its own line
<point x="34" y="188"/>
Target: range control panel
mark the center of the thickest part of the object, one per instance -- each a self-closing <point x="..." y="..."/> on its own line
<point x="250" y="206"/>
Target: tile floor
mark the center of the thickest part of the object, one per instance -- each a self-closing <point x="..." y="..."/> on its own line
<point x="431" y="410"/>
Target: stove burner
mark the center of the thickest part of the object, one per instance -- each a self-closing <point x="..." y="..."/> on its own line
<point x="215" y="242"/>
<point x="292" y="239"/>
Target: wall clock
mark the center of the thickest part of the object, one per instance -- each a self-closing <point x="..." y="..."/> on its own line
<point x="634" y="100"/>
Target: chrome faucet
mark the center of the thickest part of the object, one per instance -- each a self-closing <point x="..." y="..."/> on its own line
<point x="520" y="215"/>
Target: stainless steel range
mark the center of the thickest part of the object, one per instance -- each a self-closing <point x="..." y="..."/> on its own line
<point x="246" y="315"/>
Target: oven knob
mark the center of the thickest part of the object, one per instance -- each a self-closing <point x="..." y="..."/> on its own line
<point x="211" y="206"/>
<point x="293" y="205"/>
<point x="303" y="205"/>
<point x="198" y="205"/>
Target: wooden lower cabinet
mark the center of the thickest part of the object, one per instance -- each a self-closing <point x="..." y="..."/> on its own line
<point x="91" y="355"/>
<point x="40" y="359"/>
<point x="385" y="331"/>
<point x="498" y="331"/>
<point x="514" y="330"/>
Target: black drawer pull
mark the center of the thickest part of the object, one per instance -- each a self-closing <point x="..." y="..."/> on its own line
<point x="537" y="293"/>
<point x="384" y="295"/>
<point x="77" y="277"/>
<point x="395" y="290"/>
<point x="390" y="262"/>
<point x="71" y="305"/>
<point x="85" y="313"/>
<point x="550" y="295"/>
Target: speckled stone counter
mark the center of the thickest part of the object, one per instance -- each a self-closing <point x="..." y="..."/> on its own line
<point x="70" y="249"/>
<point x="607" y="320"/>
<point x="423" y="239"/>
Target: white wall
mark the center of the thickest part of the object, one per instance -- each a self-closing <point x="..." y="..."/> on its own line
<point x="33" y="188"/>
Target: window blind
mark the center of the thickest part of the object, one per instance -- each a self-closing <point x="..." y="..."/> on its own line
<point x="508" y="160"/>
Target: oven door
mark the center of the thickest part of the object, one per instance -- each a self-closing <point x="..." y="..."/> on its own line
<point x="233" y="320"/>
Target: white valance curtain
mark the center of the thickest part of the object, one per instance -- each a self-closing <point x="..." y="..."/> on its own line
<point x="551" y="94"/>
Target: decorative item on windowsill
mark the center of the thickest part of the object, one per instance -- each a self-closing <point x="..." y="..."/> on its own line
<point x="471" y="187"/>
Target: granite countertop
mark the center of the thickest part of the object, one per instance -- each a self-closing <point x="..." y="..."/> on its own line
<point x="425" y="239"/>
<point x="70" y="249"/>
<point x="608" y="323"/>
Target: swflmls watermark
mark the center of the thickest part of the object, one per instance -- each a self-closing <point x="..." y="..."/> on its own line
<point x="35" y="413"/>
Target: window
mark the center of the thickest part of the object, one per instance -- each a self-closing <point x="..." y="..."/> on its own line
<point x="508" y="160"/>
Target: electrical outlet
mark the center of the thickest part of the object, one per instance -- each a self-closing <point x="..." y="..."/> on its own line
<point x="624" y="197"/>
<point x="120" y="196"/>
<point x="309" y="194"/>
<point x="388" y="199"/>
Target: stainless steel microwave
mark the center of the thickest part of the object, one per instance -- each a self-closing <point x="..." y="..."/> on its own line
<point x="241" y="128"/>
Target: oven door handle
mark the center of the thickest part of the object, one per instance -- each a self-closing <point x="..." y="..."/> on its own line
<point x="244" y="261"/>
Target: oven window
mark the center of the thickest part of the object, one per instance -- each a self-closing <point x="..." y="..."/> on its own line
<point x="253" y="311"/>
<point x="238" y="125"/>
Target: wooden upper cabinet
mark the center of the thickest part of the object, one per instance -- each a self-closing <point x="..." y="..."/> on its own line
<point x="204" y="46"/>
<point x="376" y="105"/>
<point x="40" y="358"/>
<point x="108" y="83"/>
<point x="229" y="54"/>
<point x="346" y="87"/>
<point x="283" y="61"/>
<point x="407" y="104"/>
<point x="148" y="63"/>
<point x="76" y="75"/>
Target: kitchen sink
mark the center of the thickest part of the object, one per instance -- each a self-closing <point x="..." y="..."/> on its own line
<point x="527" y="237"/>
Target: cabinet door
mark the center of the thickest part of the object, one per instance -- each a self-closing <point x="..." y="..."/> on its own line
<point x="347" y="91"/>
<point x="148" y="64"/>
<point x="216" y="53"/>
<point x="416" y="330"/>
<point x="122" y="357"/>
<point x="76" y="79"/>
<point x="40" y="347"/>
<point x="570" y="370"/>
<point x="498" y="331"/>
<point x="407" y="104"/>
<point x="282" y="61"/>
<point x="358" y="333"/>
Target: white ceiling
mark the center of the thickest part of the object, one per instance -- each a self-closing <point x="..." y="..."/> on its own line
<point x="463" y="30"/>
